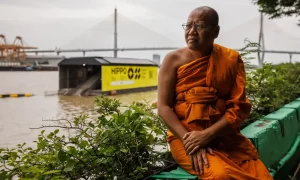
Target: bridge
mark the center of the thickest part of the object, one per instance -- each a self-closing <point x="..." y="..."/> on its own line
<point x="86" y="41"/>
<point x="99" y="37"/>
<point x="83" y="51"/>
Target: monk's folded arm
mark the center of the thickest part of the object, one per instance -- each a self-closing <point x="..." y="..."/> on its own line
<point x="238" y="106"/>
<point x="173" y="123"/>
<point x="167" y="79"/>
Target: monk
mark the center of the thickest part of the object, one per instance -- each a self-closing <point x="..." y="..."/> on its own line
<point x="202" y="100"/>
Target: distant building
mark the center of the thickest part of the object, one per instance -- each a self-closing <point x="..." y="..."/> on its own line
<point x="156" y="59"/>
<point x="51" y="60"/>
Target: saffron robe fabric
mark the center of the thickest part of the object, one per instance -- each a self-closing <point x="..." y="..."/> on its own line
<point x="208" y="88"/>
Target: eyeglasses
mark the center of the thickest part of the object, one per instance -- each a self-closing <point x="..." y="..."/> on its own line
<point x="196" y="26"/>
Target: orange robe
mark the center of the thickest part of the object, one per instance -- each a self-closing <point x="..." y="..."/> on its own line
<point x="206" y="89"/>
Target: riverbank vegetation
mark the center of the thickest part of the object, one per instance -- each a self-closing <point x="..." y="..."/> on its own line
<point x="270" y="87"/>
<point x="127" y="144"/>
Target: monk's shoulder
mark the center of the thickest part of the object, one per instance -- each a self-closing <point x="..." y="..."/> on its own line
<point x="233" y="56"/>
<point x="228" y="51"/>
<point x="174" y="58"/>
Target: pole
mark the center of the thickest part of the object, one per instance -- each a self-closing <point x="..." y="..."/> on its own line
<point x="261" y="41"/>
<point x="262" y="38"/>
<point x="115" y="36"/>
<point x="68" y="78"/>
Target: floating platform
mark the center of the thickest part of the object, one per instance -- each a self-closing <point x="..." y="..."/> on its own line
<point x="15" y="95"/>
<point x="86" y="76"/>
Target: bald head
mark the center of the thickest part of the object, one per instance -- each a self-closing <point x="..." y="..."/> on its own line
<point x="211" y="13"/>
<point x="202" y="28"/>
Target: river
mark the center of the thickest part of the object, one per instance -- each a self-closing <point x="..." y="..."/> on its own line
<point x="18" y="115"/>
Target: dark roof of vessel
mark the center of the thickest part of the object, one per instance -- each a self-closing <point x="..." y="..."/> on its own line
<point x="105" y="61"/>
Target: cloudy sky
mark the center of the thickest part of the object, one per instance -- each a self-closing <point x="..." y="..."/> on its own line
<point x="160" y="16"/>
<point x="55" y="23"/>
<point x="176" y="9"/>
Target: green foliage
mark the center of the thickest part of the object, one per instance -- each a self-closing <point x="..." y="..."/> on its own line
<point x="122" y="143"/>
<point x="272" y="86"/>
<point x="279" y="8"/>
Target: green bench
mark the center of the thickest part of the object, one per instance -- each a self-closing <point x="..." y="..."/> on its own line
<point x="288" y="121"/>
<point x="266" y="136"/>
<point x="277" y="139"/>
<point x="295" y="105"/>
<point x="177" y="174"/>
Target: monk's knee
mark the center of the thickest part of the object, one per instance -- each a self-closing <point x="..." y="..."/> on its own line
<point x="219" y="173"/>
<point x="217" y="170"/>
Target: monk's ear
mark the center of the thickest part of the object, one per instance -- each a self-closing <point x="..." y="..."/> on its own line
<point x="216" y="31"/>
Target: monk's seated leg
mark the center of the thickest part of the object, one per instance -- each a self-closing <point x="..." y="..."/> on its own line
<point x="221" y="167"/>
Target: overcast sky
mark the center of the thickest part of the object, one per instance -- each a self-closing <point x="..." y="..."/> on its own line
<point x="157" y="15"/>
<point x="53" y="23"/>
<point x="40" y="9"/>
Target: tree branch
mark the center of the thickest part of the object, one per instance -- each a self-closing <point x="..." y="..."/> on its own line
<point x="5" y="165"/>
<point x="64" y="127"/>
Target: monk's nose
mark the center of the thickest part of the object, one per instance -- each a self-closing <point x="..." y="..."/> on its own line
<point x="193" y="31"/>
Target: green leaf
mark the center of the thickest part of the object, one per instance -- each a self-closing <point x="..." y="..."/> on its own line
<point x="62" y="156"/>
<point x="124" y="150"/>
<point x="74" y="140"/>
<point x="83" y="144"/>
<point x="42" y="132"/>
<point x="91" y="124"/>
<point x="51" y="172"/>
<point x="50" y="135"/>
<point x="42" y="144"/>
<point x="158" y="131"/>
<point x="73" y="151"/>
<point x="70" y="165"/>
<point x="33" y="169"/>
<point x="5" y="157"/>
<point x="56" y="131"/>
<point x="121" y="118"/>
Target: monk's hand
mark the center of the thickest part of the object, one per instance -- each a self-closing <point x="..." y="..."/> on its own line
<point x="199" y="160"/>
<point x="195" y="140"/>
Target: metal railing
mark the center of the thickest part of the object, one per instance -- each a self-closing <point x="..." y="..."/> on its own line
<point x="59" y="51"/>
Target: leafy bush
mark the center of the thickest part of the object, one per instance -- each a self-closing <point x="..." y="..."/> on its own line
<point x="272" y="86"/>
<point x="118" y="143"/>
